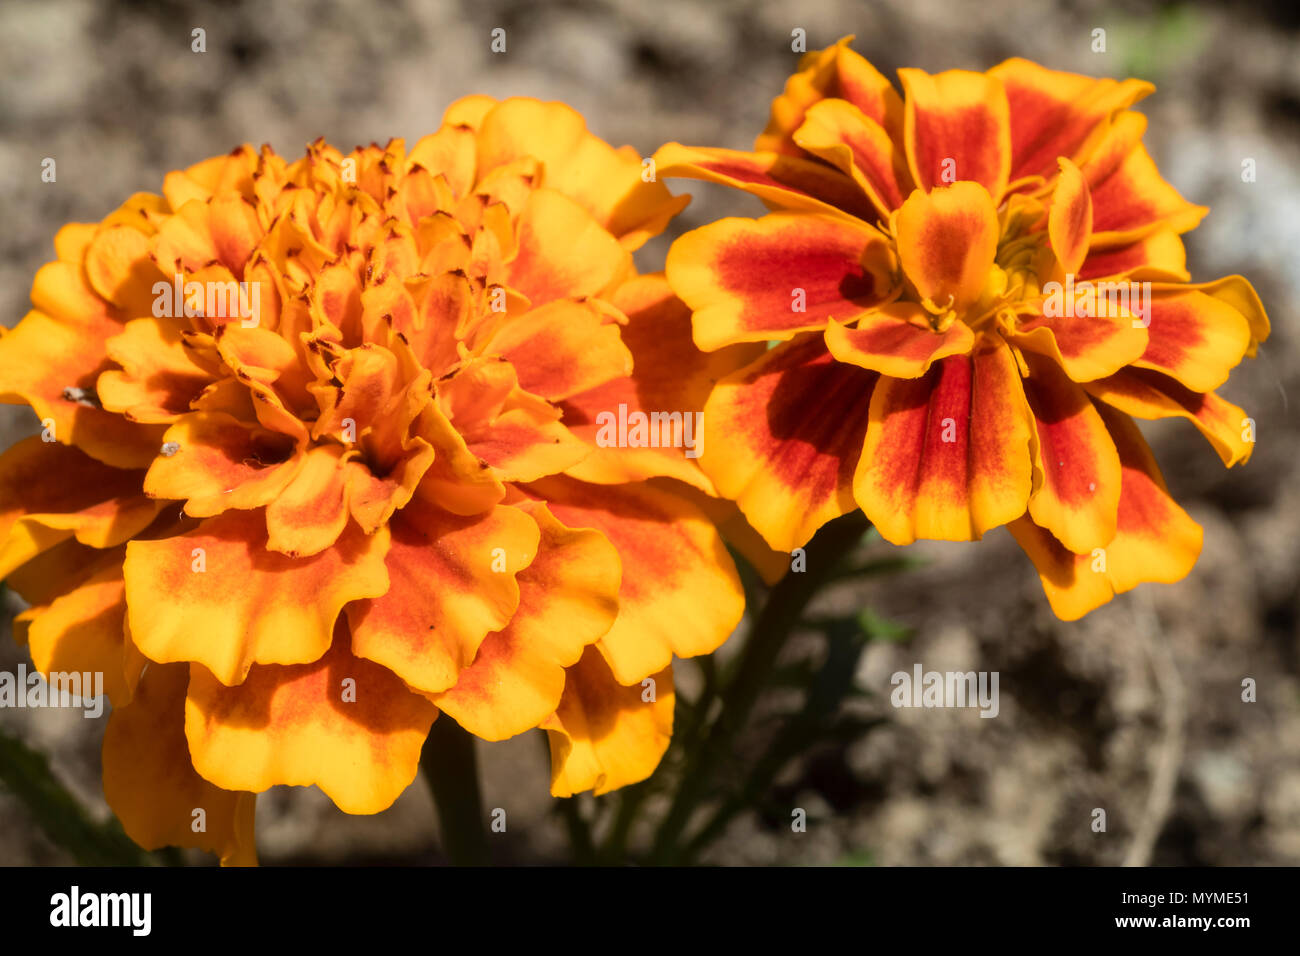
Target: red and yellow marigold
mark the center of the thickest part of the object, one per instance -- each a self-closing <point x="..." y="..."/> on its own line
<point x="292" y="527"/>
<point x="924" y="369"/>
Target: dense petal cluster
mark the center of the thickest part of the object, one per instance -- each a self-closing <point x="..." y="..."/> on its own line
<point x="318" y="462"/>
<point x="970" y="288"/>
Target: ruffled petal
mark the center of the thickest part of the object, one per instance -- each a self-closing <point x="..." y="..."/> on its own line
<point x="1069" y="221"/>
<point x="679" y="592"/>
<point x="1085" y="346"/>
<point x="159" y="377"/>
<point x="51" y="492"/>
<point x="453" y="580"/>
<point x="603" y="180"/>
<point x="83" y="631"/>
<point x="222" y="463"/>
<point x="215" y="595"/>
<point x="836" y="72"/>
<point x="152" y="786"/>
<point x="563" y="251"/>
<point x="1194" y="337"/>
<point x="670" y="376"/>
<point x="562" y="348"/>
<point x="605" y="735"/>
<point x="568" y="598"/>
<point x="311" y="512"/>
<point x="52" y="360"/>
<point x="341" y="723"/>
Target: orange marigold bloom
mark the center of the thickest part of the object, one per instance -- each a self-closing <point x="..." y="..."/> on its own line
<point x="973" y="285"/>
<point x="319" y="462"/>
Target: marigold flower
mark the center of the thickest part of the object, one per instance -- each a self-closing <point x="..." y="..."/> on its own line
<point x="318" y="463"/>
<point x="973" y="285"/>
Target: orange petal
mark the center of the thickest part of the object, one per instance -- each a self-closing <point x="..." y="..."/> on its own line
<point x="50" y="492"/>
<point x="120" y="269"/>
<point x="1147" y="394"/>
<point x="833" y="73"/>
<point x="1130" y="199"/>
<point x="311" y="512"/>
<point x="341" y="723"/>
<point x="956" y="126"/>
<point x="751" y="280"/>
<point x="1056" y="114"/>
<point x="1069" y="222"/>
<point x="1158" y="256"/>
<point x="840" y="133"/>
<point x="83" y="631"/>
<point x="603" y="735"/>
<point x="152" y="786"/>
<point x="217" y="596"/>
<point x="562" y="348"/>
<point x="1075" y="460"/>
<point x="670" y="375"/>
<point x="373" y="497"/>
<point x="568" y="598"/>
<point x="1194" y="337"/>
<point x="524" y="444"/>
<point x="947" y="240"/>
<point x="159" y="377"/>
<point x="52" y="361"/>
<point x="679" y="593"/>
<point x="786" y="181"/>
<point x="453" y="581"/>
<point x="605" y="181"/>
<point x="563" y="251"/>
<point x="456" y="480"/>
<point x="897" y="340"/>
<point x="782" y="438"/>
<point x="1236" y="292"/>
<point x="947" y="455"/>
<point x="1088" y="346"/>
<point x="1155" y="540"/>
<point x="450" y="151"/>
<point x="222" y="463"/>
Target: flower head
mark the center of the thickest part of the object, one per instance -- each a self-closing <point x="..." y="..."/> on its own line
<point x="318" y="463"/>
<point x="973" y="285"/>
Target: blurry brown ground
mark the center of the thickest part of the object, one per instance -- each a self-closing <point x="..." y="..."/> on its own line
<point x="1089" y="710"/>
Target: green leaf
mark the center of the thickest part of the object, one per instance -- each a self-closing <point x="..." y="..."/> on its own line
<point x="878" y="628"/>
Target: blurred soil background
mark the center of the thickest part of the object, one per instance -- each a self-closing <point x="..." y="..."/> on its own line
<point x="1136" y="710"/>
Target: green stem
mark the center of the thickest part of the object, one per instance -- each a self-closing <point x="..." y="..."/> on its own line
<point x="584" y="848"/>
<point x="450" y="765"/>
<point x="61" y="817"/>
<point x="782" y="612"/>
